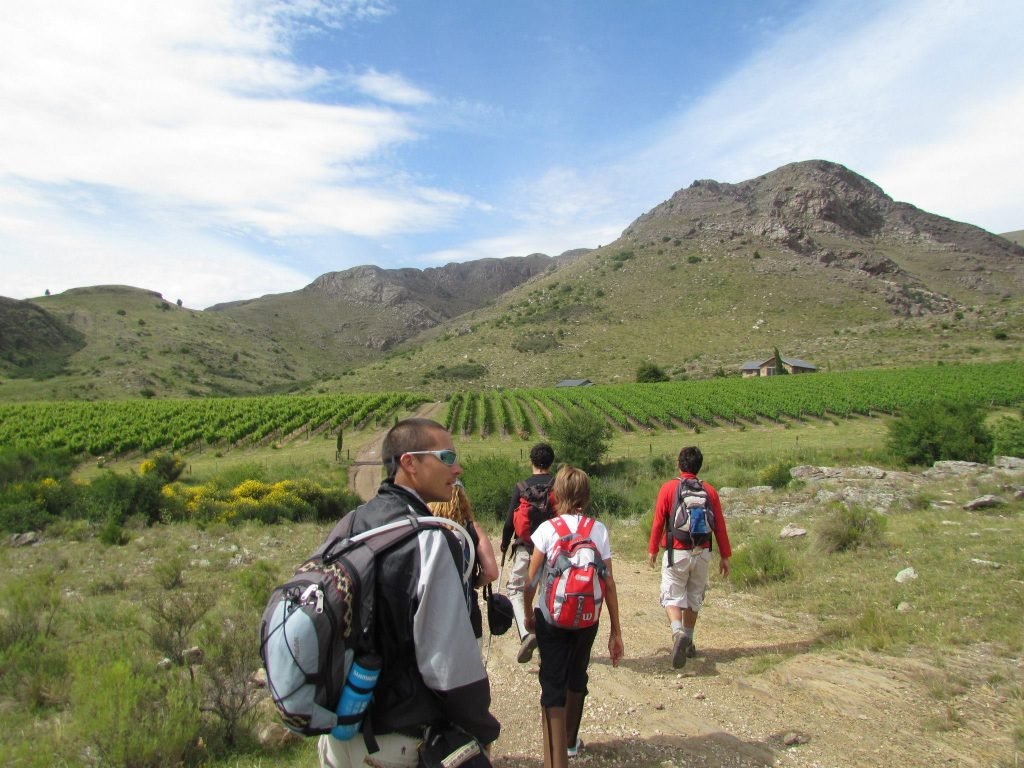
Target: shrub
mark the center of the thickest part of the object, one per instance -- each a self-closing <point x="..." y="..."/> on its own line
<point x="581" y="438"/>
<point x="169" y="572"/>
<point x="763" y="561"/>
<point x="489" y="482"/>
<point x="230" y="693"/>
<point x="19" y="515"/>
<point x="458" y="371"/>
<point x="777" y="475"/>
<point x="607" y="501"/>
<point x="168" y="467"/>
<point x="131" y="715"/>
<point x="33" y="664"/>
<point x="535" y="344"/>
<point x="256" y="583"/>
<point x="113" y="533"/>
<point x="118" y="497"/>
<point x="173" y="617"/>
<point x="649" y="373"/>
<point x="930" y="432"/>
<point x="850" y="527"/>
<point x="1008" y="437"/>
<point x="18" y="465"/>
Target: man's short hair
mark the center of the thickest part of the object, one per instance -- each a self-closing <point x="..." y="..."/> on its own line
<point x="414" y="434"/>
<point x="691" y="459"/>
<point x="542" y="456"/>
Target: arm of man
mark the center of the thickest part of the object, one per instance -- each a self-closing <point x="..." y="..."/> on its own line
<point x="611" y="599"/>
<point x="661" y="512"/>
<point x="447" y="655"/>
<point x="508" y="532"/>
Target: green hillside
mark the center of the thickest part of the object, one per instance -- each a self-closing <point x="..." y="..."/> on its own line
<point x="140" y="344"/>
<point x="695" y="314"/>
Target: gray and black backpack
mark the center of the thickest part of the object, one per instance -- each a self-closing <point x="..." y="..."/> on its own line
<point x="317" y="622"/>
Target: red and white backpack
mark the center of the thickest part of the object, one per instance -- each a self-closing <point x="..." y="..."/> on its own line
<point x="573" y="578"/>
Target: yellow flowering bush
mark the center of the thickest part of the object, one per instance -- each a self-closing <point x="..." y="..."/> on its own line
<point x="255" y="500"/>
<point x="250" y="489"/>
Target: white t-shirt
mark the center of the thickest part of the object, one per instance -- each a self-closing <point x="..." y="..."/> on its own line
<point x="545" y="536"/>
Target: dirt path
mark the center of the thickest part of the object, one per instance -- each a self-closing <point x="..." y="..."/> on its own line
<point x="756" y="685"/>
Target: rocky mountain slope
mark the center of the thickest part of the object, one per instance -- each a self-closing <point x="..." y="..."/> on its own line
<point x="833" y="217"/>
<point x="367" y="306"/>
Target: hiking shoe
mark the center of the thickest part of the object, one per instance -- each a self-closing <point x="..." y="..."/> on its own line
<point x="576" y="748"/>
<point x="691" y="650"/>
<point x="680" y="645"/>
<point x="526" y="648"/>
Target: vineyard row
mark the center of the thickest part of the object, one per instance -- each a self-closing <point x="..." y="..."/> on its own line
<point x="116" y="427"/>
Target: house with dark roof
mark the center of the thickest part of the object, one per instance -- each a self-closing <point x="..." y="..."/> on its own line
<point x="575" y="383"/>
<point x="766" y="367"/>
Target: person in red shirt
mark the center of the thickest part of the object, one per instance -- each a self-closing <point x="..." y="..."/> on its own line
<point x="684" y="572"/>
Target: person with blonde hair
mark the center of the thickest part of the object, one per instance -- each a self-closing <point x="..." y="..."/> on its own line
<point x="565" y="653"/>
<point x="460" y="509"/>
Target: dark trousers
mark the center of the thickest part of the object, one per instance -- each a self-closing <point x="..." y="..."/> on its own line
<point x="564" y="658"/>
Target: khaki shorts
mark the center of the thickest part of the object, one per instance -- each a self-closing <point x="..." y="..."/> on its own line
<point x="396" y="751"/>
<point x="684" y="583"/>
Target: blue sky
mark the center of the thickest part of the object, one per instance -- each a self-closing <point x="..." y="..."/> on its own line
<point x="215" y="150"/>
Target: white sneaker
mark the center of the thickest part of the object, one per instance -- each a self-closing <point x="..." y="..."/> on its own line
<point x="576" y="748"/>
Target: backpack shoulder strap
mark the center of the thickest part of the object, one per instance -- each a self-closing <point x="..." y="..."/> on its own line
<point x="585" y="527"/>
<point x="560" y="527"/>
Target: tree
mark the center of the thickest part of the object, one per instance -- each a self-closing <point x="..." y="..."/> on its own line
<point x="179" y="302"/>
<point x="780" y="368"/>
<point x="649" y="373"/>
<point x="581" y="438"/>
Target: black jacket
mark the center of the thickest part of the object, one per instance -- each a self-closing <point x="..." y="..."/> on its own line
<point x="508" y="533"/>
<point x="432" y="672"/>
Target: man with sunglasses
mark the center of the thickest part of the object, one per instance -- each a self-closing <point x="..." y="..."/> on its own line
<point x="432" y="674"/>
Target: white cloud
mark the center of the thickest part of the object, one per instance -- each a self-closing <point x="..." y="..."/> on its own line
<point x="393" y="89"/>
<point x="193" y="107"/>
<point x="199" y="270"/>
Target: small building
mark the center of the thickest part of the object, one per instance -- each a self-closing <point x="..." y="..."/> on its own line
<point x="575" y="383"/>
<point x="766" y="367"/>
